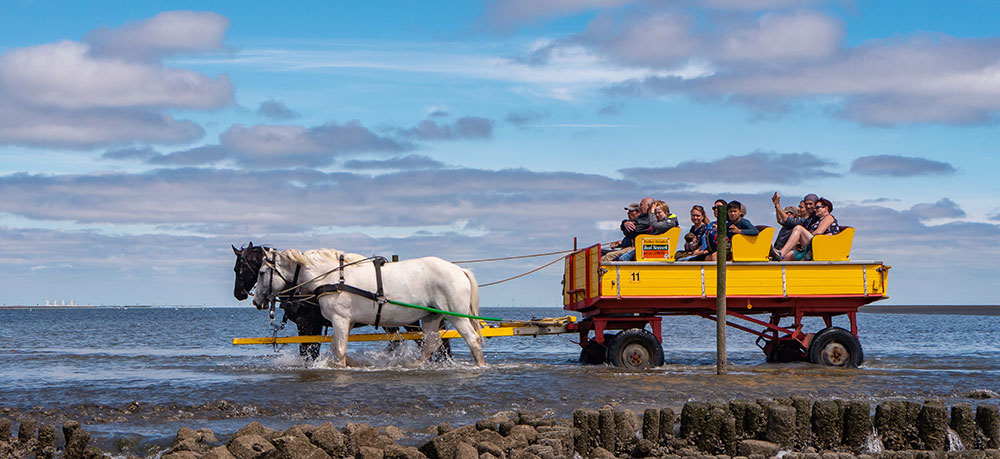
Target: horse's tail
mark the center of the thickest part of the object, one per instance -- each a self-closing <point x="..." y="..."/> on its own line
<point x="474" y="303"/>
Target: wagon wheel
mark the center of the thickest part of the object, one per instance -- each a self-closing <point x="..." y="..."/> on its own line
<point x="835" y="347"/>
<point x="594" y="353"/>
<point x="635" y="348"/>
<point x="787" y="350"/>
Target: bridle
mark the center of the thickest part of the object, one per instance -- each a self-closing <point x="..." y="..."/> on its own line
<point x="241" y="260"/>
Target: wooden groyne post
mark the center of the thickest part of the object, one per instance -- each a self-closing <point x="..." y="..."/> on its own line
<point x="720" y="290"/>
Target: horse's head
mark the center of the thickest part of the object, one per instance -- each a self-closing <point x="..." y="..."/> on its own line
<point x="248" y="261"/>
<point x="270" y="279"/>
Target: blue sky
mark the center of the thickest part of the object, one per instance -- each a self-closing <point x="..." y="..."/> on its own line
<point x="137" y="142"/>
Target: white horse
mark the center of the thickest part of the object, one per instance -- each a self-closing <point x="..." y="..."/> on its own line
<point x="430" y="282"/>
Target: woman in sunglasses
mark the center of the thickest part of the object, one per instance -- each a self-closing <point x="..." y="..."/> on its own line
<point x="798" y="247"/>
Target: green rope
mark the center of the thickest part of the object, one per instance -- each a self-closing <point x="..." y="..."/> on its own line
<point x="438" y="311"/>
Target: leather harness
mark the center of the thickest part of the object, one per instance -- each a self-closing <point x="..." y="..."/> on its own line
<point x="378" y="296"/>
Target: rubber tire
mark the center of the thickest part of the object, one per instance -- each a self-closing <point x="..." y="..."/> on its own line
<point x="786" y="351"/>
<point x="836" y="347"/>
<point x="635" y="348"/>
<point x="594" y="353"/>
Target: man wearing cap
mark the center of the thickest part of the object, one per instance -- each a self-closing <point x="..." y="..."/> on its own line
<point x="632" y="227"/>
<point x="632" y="211"/>
<point x="803" y="216"/>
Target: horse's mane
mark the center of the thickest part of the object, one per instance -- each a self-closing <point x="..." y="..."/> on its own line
<point x="320" y="256"/>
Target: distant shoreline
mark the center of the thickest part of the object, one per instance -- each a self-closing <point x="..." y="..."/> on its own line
<point x="964" y="310"/>
<point x="89" y="306"/>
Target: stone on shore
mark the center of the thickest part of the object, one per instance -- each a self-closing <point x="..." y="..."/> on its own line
<point x="219" y="452"/>
<point x="255" y="428"/>
<point x="601" y="453"/>
<point x="606" y="427"/>
<point x="651" y="425"/>
<point x="896" y="423"/>
<point x="369" y="452"/>
<point x="750" y="418"/>
<point x="718" y="435"/>
<point x="857" y="424"/>
<point x="780" y="427"/>
<point x="298" y="446"/>
<point x="331" y="440"/>
<point x="587" y="423"/>
<point x="445" y="446"/>
<point x="757" y="447"/>
<point x="963" y="422"/>
<point x="76" y="441"/>
<point x="803" y="415"/>
<point x="693" y="417"/>
<point x="667" y="419"/>
<point x="827" y="424"/>
<point x="26" y="432"/>
<point x="360" y="434"/>
<point x="252" y="446"/>
<point x="988" y="420"/>
<point x="403" y="452"/>
<point x="626" y="424"/>
<point x="932" y="425"/>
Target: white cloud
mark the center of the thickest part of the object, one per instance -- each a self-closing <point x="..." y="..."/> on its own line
<point x="505" y="13"/>
<point x="293" y="145"/>
<point x="66" y="95"/>
<point x="167" y="33"/>
<point x="756" y="5"/>
<point x="796" y="58"/>
<point x="800" y="35"/>
<point x="82" y="129"/>
<point x="65" y="75"/>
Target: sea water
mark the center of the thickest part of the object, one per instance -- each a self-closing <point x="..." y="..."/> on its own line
<point x="148" y="371"/>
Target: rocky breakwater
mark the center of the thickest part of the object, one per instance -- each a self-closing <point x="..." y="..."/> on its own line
<point x="39" y="441"/>
<point x="791" y="428"/>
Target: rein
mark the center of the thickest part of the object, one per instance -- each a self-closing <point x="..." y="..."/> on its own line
<point x="378" y="296"/>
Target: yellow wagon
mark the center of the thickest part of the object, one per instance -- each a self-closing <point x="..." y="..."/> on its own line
<point x="631" y="296"/>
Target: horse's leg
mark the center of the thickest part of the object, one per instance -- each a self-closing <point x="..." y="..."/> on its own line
<point x="432" y="336"/>
<point x="341" y="327"/>
<point x="468" y="332"/>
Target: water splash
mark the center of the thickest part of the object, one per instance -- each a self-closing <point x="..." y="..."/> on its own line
<point x="954" y="441"/>
<point x="873" y="444"/>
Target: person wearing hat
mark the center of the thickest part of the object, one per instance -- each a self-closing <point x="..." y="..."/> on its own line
<point x="810" y="201"/>
<point x="632" y="227"/>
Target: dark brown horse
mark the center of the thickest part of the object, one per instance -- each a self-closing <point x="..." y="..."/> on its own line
<point x="248" y="261"/>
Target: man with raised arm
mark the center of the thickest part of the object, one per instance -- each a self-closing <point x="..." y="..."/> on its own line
<point x="803" y="217"/>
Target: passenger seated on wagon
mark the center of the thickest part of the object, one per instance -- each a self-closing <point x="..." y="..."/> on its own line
<point x="661" y="211"/>
<point x="799" y="245"/>
<point x="694" y="244"/>
<point x="631" y="212"/>
<point x="632" y="228"/>
<point x="737" y="224"/>
<point x="788" y="218"/>
<point x="707" y="240"/>
<point x="664" y="219"/>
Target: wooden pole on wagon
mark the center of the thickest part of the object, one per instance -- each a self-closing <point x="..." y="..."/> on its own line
<point x="720" y="290"/>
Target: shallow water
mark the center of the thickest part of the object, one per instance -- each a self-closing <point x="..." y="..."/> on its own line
<point x="147" y="372"/>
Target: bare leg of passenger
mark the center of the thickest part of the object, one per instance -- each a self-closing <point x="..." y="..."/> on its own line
<point x="800" y="238"/>
<point x="794" y="240"/>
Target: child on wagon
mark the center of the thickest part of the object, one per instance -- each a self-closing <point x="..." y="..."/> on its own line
<point x="737" y="224"/>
